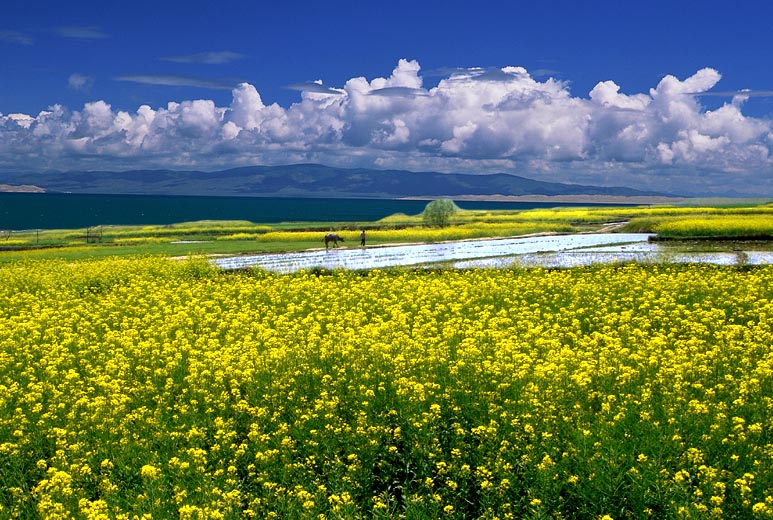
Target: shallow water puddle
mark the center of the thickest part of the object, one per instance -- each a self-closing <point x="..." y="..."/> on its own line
<point x="540" y="251"/>
<point x="645" y="252"/>
<point x="415" y="254"/>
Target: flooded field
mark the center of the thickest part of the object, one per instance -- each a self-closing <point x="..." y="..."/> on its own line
<point x="642" y="252"/>
<point x="546" y="251"/>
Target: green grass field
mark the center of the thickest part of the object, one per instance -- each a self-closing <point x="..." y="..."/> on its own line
<point x="750" y="221"/>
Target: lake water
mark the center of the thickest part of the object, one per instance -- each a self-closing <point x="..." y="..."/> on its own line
<point x="543" y="251"/>
<point x="20" y="211"/>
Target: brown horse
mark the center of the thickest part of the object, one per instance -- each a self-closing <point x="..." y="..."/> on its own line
<point x="332" y="237"/>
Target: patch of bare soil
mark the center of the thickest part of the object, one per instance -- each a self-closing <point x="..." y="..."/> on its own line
<point x="21" y="188"/>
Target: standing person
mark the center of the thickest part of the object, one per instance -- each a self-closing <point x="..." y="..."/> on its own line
<point x="362" y="238"/>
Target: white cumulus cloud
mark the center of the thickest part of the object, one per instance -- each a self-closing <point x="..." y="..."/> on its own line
<point x="473" y="120"/>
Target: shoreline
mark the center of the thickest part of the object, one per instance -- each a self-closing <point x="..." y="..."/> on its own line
<point x="643" y="200"/>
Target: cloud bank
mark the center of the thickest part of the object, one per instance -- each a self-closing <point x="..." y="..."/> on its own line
<point x="475" y="120"/>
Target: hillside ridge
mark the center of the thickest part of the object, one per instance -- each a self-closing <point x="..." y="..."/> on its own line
<point x="308" y="180"/>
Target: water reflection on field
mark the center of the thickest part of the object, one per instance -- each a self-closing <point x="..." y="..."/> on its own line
<point x="415" y="254"/>
<point x="545" y="251"/>
<point x="643" y="252"/>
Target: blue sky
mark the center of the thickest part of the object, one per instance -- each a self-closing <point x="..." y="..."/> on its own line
<point x="661" y="95"/>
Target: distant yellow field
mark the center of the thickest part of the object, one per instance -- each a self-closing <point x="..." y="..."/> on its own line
<point x="717" y="226"/>
<point x="242" y="236"/>
<point x="423" y="234"/>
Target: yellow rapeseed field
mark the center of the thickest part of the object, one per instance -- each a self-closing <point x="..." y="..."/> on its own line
<point x="749" y="226"/>
<point x="421" y="234"/>
<point x="144" y="388"/>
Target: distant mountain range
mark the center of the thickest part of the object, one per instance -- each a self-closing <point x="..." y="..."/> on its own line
<point x="304" y="180"/>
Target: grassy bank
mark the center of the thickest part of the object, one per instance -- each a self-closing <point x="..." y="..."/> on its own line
<point x="234" y="237"/>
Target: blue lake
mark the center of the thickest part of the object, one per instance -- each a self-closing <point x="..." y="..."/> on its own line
<point x="20" y="211"/>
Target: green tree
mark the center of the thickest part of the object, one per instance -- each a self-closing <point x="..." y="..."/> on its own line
<point x="438" y="212"/>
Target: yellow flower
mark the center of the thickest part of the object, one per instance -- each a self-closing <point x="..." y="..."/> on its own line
<point x="149" y="471"/>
